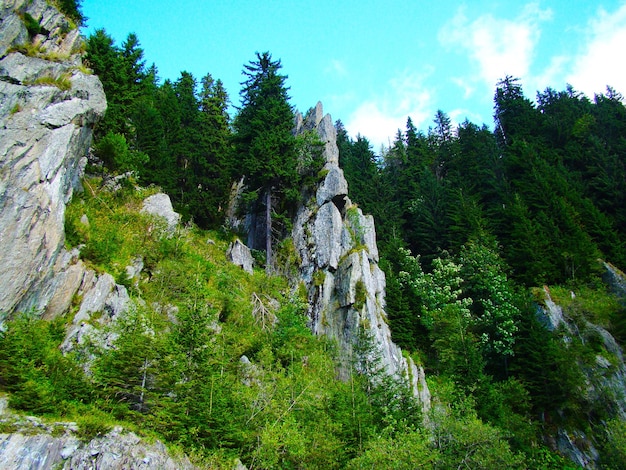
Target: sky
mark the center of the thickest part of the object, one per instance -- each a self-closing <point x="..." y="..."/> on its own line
<point x="374" y="63"/>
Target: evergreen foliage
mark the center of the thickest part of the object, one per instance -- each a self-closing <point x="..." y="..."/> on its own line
<point x="173" y="135"/>
<point x="222" y="363"/>
<point x="265" y="145"/>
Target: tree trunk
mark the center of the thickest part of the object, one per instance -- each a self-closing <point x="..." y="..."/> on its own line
<point x="268" y="231"/>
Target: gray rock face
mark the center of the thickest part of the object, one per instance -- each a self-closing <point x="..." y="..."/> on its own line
<point x="160" y="205"/>
<point x="58" y="34"/>
<point x="616" y="280"/>
<point x="604" y="379"/>
<point x="551" y="315"/>
<point x="44" y="134"/>
<point x="40" y="445"/>
<point x="240" y="255"/>
<point x="345" y="285"/>
<point x="102" y="296"/>
<point x="114" y="451"/>
<point x="123" y="450"/>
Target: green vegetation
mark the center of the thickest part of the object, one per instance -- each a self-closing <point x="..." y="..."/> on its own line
<point x="32" y="25"/>
<point x="176" y="368"/>
<point x="173" y="134"/>
<point x="61" y="82"/>
<point x="221" y="363"/>
<point x="71" y="9"/>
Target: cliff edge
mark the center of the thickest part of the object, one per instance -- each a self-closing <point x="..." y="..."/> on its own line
<point x="48" y="105"/>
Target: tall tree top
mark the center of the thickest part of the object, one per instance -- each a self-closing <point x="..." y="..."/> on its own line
<point x="263" y="79"/>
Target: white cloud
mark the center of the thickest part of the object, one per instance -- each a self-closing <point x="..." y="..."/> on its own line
<point x="496" y="46"/>
<point x="551" y="76"/>
<point x="337" y="68"/>
<point x="602" y="60"/>
<point x="380" y="117"/>
<point x="466" y="85"/>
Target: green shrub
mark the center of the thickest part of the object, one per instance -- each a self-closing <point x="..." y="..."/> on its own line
<point x="360" y="294"/>
<point x="32" y="25"/>
<point x="40" y="378"/>
<point x="92" y="425"/>
<point x="71" y="9"/>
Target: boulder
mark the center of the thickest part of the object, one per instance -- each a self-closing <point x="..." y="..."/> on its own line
<point x="240" y="255"/>
<point x="160" y="205"/>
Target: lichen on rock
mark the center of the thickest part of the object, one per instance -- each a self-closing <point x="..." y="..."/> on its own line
<point x="346" y="287"/>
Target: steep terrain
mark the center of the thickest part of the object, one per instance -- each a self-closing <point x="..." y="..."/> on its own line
<point x="339" y="266"/>
<point x="156" y="327"/>
<point x="48" y="106"/>
<point x="599" y="360"/>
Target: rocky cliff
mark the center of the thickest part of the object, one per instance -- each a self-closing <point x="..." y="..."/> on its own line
<point x="602" y="369"/>
<point x="48" y="106"/>
<point x="35" y="444"/>
<point x="339" y="265"/>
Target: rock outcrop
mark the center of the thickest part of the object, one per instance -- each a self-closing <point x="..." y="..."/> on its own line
<point x="37" y="445"/>
<point x="48" y="106"/>
<point x="604" y="375"/>
<point x="240" y="255"/>
<point x="346" y="287"/>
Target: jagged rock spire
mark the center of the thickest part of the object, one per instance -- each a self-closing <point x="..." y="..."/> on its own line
<point x="345" y="285"/>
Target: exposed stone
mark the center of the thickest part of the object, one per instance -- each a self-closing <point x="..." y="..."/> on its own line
<point x="115" y="451"/>
<point x="604" y="377"/>
<point x="95" y="298"/>
<point x="551" y="316"/>
<point x="44" y="134"/>
<point x="59" y="36"/>
<point x="160" y="205"/>
<point x="571" y="448"/>
<point x="616" y="280"/>
<point x="134" y="270"/>
<point x="240" y="255"/>
<point x="327" y="236"/>
<point x="313" y="118"/>
<point x="346" y="287"/>
<point x="334" y="185"/>
<point x="66" y="285"/>
<point x="328" y="135"/>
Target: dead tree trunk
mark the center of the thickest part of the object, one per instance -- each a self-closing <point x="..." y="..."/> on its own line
<point x="268" y="231"/>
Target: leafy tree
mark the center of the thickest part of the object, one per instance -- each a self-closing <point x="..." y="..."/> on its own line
<point x="494" y="305"/>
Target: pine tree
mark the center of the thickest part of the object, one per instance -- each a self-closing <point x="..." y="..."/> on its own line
<point x="264" y="141"/>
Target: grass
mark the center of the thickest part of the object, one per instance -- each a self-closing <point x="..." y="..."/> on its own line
<point x="37" y="50"/>
<point x="593" y="304"/>
<point x="62" y="82"/>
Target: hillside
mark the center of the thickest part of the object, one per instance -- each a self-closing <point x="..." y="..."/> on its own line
<point x="191" y="290"/>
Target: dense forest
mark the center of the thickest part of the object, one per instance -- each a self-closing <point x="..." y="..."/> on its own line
<point x="471" y="224"/>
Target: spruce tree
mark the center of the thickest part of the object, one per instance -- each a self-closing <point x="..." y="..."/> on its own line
<point x="264" y="141"/>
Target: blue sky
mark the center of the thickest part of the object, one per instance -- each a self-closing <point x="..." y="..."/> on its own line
<point x="374" y="63"/>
